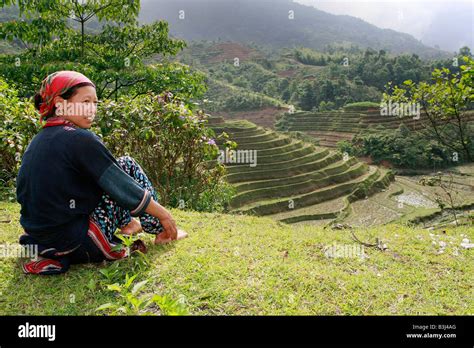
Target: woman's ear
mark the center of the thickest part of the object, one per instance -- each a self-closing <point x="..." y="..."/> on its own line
<point x="59" y="105"/>
<point x="58" y="99"/>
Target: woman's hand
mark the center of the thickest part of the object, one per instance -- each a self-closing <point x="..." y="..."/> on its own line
<point x="170" y="231"/>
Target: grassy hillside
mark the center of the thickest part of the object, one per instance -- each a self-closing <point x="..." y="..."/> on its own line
<point x="241" y="265"/>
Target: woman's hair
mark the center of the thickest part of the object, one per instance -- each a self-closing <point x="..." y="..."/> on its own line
<point x="38" y="100"/>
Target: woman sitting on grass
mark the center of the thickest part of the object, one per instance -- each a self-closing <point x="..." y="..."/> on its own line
<point x="73" y="193"/>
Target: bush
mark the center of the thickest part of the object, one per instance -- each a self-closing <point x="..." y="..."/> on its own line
<point x="326" y="106"/>
<point x="174" y="146"/>
<point x="400" y="147"/>
<point x="244" y="102"/>
<point x="18" y="124"/>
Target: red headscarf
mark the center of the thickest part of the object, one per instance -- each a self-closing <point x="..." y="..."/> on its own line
<point x="56" y="84"/>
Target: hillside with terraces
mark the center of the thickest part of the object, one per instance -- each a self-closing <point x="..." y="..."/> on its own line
<point x="331" y="127"/>
<point x="295" y="180"/>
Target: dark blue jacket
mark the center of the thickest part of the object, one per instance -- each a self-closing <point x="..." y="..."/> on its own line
<point x="63" y="174"/>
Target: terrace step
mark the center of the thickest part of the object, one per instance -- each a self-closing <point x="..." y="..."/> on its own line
<point x="268" y="207"/>
<point x="287" y="154"/>
<point x="291" y="170"/>
<point x="278" y="165"/>
<point x="335" y="168"/>
<point x="323" y="121"/>
<point x="307" y="186"/>
<point x="276" y="142"/>
<point x="264" y="136"/>
<point x="328" y="129"/>
<point x="295" y="144"/>
<point x="284" y="172"/>
<point x="323" y="114"/>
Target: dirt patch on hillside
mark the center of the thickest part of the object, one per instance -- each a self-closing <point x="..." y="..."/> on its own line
<point x="229" y="51"/>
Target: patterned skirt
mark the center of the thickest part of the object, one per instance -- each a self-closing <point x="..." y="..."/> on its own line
<point x="100" y="242"/>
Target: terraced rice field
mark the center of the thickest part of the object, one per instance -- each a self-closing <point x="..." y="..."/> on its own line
<point x="328" y="127"/>
<point x="334" y="126"/>
<point x="292" y="180"/>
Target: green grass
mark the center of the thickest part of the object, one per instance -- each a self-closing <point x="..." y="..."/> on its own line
<point x="241" y="265"/>
<point x="361" y="105"/>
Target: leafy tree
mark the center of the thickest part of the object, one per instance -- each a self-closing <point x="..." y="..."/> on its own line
<point x="401" y="148"/>
<point x="445" y="103"/>
<point x="114" y="56"/>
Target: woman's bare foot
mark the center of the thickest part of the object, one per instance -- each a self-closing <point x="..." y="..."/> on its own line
<point x="133" y="227"/>
<point x="163" y="239"/>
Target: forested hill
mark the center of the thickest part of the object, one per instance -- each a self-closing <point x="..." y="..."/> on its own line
<point x="267" y="22"/>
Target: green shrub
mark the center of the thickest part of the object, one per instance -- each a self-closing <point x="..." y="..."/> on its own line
<point x="173" y="145"/>
<point x="18" y="124"/>
<point x="326" y="106"/>
<point x="243" y="102"/>
<point x="401" y="148"/>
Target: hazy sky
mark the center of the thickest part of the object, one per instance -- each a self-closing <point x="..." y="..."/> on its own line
<point x="423" y="19"/>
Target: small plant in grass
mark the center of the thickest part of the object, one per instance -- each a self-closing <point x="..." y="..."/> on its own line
<point x="128" y="290"/>
<point x="131" y="301"/>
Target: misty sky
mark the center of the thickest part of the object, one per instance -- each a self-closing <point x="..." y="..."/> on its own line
<point x="448" y="23"/>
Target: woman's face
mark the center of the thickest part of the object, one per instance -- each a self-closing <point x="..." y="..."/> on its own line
<point x="80" y="109"/>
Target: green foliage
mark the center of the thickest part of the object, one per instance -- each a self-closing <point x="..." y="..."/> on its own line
<point x="361" y="105"/>
<point x="243" y="102"/>
<point x="225" y="97"/>
<point x="56" y="36"/>
<point x="18" y="124"/>
<point x="306" y="78"/>
<point x="345" y="147"/>
<point x="130" y="298"/>
<point x="309" y="94"/>
<point x="401" y="148"/>
<point x="310" y="57"/>
<point x="326" y="106"/>
<point x="444" y="102"/>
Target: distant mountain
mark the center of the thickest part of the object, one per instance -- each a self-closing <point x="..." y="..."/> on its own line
<point x="268" y="22"/>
